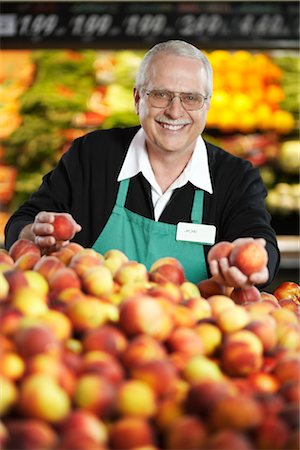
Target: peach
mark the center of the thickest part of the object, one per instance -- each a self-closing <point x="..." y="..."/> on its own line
<point x="136" y="398"/>
<point x="9" y="395"/>
<point x="29" y="301"/>
<point x="140" y="349"/>
<point x="63" y="227"/>
<point x="186" y="432"/>
<point x="160" y="374"/>
<point x="210" y="287"/>
<point x="233" y="318"/>
<point x="16" y="279"/>
<point x="184" y="340"/>
<point x="48" y="265"/>
<point x="284" y="315"/>
<point x="249" y="258"/>
<point x="5" y="258"/>
<point x="12" y="365"/>
<point x="267" y="296"/>
<point x="290" y="391"/>
<point x="199" y="307"/>
<point x="161" y="273"/>
<point x="131" y="272"/>
<point x="114" y="259"/>
<point x="95" y="394"/>
<point x="83" y="423"/>
<point x="211" y="337"/>
<point x="84" y="260"/>
<point x="238" y="412"/>
<point x="203" y="395"/>
<point x="261" y="308"/>
<point x="167" y="290"/>
<point x="59" y="323"/>
<point x="130" y="433"/>
<point x="265" y="329"/>
<point x="36" y="281"/>
<point x="200" y="368"/>
<point x="98" y="281"/>
<point x="9" y="322"/>
<point x="144" y="314"/>
<point x="228" y="439"/>
<point x="31" y="434"/>
<point x="168" y="410"/>
<point x="288" y="336"/>
<point x="62" y="279"/>
<point x="220" y="250"/>
<point x="242" y="353"/>
<point x="183" y="316"/>
<point x="54" y="367"/>
<point x="291" y="304"/>
<point x="34" y="339"/>
<point x="242" y="296"/>
<point x="107" y="338"/>
<point x="22" y="247"/>
<point x="27" y="261"/>
<point x="42" y="398"/>
<point x="272" y="433"/>
<point x="103" y="364"/>
<point x="86" y="313"/>
<point x="65" y="254"/>
<point x="287" y="369"/>
<point x="219" y="303"/>
<point x="64" y="298"/>
<point x="4" y="287"/>
<point x="288" y="289"/>
<point x="189" y="290"/>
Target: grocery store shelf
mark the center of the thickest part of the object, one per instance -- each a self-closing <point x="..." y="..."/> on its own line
<point x="289" y="247"/>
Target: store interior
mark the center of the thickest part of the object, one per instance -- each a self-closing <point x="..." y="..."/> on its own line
<point x="58" y="94"/>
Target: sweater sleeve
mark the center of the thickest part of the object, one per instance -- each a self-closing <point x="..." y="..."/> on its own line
<point x="242" y="210"/>
<point x="54" y="194"/>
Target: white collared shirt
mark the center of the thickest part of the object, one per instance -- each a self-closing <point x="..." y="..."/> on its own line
<point x="137" y="160"/>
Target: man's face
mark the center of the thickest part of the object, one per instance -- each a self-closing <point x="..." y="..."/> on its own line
<point x="173" y="128"/>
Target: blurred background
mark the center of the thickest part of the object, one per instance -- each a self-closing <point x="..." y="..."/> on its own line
<point x="67" y="68"/>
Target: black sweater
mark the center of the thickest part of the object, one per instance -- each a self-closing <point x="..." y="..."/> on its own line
<point x="84" y="183"/>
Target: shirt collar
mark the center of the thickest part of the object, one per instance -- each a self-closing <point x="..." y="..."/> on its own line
<point x="196" y="171"/>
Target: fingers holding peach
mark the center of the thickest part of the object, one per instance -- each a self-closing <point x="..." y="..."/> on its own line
<point x="240" y="263"/>
<point x="54" y="229"/>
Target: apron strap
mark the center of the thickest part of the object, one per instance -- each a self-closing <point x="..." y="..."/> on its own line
<point x="197" y="210"/>
<point x="122" y="192"/>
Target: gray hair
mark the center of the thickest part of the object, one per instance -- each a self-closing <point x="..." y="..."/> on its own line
<point x="179" y="48"/>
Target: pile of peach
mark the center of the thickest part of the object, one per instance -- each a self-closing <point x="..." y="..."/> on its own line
<point x="98" y="353"/>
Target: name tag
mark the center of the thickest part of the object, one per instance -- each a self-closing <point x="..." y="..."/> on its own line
<point x="196" y="232"/>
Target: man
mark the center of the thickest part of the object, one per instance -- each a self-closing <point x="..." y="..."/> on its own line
<point x="159" y="189"/>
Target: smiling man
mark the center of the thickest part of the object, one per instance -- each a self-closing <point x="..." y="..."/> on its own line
<point x="159" y="189"/>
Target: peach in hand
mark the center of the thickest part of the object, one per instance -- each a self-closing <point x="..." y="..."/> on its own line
<point x="64" y="227"/>
<point x="249" y="257"/>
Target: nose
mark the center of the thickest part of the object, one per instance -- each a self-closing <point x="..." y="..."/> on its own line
<point x="175" y="108"/>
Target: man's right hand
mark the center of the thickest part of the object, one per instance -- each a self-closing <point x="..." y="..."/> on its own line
<point x="41" y="231"/>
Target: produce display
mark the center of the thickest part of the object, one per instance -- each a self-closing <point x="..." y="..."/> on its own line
<point x="58" y="95"/>
<point x="100" y="353"/>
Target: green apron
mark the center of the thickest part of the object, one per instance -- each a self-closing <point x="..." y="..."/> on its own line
<point x="145" y="240"/>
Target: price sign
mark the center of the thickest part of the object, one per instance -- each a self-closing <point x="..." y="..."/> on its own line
<point x="141" y="24"/>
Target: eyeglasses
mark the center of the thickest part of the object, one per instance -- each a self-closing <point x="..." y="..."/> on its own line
<point x="189" y="100"/>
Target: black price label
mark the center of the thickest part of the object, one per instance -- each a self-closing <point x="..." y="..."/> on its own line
<point x="241" y="24"/>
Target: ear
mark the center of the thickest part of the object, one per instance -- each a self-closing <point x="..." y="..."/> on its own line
<point x="137" y="98"/>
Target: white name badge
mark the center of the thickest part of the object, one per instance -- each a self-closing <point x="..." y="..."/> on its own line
<point x="196" y="232"/>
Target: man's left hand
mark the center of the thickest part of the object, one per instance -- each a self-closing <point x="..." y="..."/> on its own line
<point x="228" y="275"/>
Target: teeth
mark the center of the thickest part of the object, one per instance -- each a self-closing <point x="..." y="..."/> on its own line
<point x="172" y="127"/>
